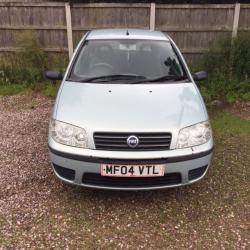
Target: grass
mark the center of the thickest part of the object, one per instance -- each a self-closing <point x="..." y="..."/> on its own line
<point x="46" y="89"/>
<point x="12" y="89"/>
<point x="51" y="90"/>
<point x="227" y="124"/>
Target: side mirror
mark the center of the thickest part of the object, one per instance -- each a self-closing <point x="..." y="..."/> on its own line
<point x="201" y="75"/>
<point x="54" y="75"/>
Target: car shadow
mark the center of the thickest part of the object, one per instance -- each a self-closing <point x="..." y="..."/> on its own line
<point x="126" y="196"/>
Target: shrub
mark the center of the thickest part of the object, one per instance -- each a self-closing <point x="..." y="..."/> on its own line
<point x="228" y="67"/>
<point x="27" y="65"/>
<point x="30" y="54"/>
<point x="241" y="57"/>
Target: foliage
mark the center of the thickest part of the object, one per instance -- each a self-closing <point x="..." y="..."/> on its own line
<point x="228" y="67"/>
<point x="27" y="65"/>
<point x="51" y="90"/>
<point x="12" y="89"/>
<point x="46" y="89"/>
<point x="227" y="64"/>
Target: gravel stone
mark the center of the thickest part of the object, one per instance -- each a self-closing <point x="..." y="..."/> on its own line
<point x="37" y="211"/>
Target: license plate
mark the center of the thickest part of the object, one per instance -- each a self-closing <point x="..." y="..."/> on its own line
<point x="132" y="170"/>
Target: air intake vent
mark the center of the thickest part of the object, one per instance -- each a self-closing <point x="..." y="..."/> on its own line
<point x="98" y="180"/>
<point x="65" y="172"/>
<point x="196" y="173"/>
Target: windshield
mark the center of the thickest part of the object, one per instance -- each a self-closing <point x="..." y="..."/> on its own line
<point x="139" y="58"/>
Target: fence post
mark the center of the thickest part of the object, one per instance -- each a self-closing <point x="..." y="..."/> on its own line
<point x="236" y="20"/>
<point x="69" y="29"/>
<point x="152" y="16"/>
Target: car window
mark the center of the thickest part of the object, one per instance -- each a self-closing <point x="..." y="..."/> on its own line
<point x="147" y="58"/>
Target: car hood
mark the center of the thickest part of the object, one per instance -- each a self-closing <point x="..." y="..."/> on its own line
<point x="128" y="107"/>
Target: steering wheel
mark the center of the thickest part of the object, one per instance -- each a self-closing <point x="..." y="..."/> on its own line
<point x="102" y="69"/>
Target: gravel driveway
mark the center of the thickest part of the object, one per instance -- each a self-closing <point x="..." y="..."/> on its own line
<point x="38" y="211"/>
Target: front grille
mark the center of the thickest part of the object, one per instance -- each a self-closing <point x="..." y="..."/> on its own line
<point x="196" y="173"/>
<point x="134" y="182"/>
<point x="65" y="172"/>
<point x="118" y="141"/>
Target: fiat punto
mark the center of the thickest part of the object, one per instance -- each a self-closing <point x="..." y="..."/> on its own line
<point x="128" y="114"/>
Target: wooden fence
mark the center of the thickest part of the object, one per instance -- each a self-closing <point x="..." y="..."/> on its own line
<point x="59" y="26"/>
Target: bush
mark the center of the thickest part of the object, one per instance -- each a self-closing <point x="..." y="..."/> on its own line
<point x="228" y="67"/>
<point x="27" y="65"/>
<point x="227" y="64"/>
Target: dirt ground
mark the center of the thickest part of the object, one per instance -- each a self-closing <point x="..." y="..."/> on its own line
<point x="37" y="211"/>
<point x="242" y="109"/>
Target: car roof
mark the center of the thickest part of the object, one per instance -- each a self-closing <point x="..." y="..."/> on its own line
<point x="126" y="34"/>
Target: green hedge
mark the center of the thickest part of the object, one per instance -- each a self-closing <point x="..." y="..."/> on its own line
<point x="28" y="64"/>
<point x="228" y="67"/>
<point x="227" y="64"/>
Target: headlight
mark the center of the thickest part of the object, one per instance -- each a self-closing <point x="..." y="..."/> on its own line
<point x="67" y="134"/>
<point x="194" y="135"/>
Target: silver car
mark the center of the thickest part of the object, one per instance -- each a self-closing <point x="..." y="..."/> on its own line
<point x="128" y="114"/>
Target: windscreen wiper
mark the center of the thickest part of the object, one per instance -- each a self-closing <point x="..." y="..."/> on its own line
<point x="160" y="79"/>
<point x="107" y="78"/>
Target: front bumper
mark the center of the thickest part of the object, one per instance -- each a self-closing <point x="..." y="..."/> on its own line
<point x="182" y="167"/>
